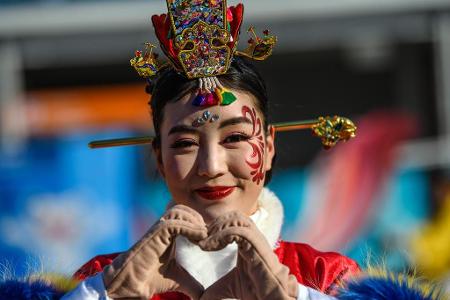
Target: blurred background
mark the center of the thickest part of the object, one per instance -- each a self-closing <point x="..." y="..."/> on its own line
<point x="65" y="80"/>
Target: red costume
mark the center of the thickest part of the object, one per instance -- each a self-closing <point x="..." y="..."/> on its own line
<point x="315" y="269"/>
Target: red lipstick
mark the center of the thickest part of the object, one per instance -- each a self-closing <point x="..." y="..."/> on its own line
<point x="215" y="192"/>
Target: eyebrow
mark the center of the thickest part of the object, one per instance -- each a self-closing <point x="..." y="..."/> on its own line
<point x="182" y="129"/>
<point x="234" y="121"/>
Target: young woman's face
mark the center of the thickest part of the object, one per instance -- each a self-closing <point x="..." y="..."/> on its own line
<point x="218" y="165"/>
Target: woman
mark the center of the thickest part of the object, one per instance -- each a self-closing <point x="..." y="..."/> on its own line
<point x="214" y="149"/>
<point x="219" y="237"/>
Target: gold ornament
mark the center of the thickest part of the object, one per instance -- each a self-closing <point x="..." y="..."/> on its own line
<point x="146" y="65"/>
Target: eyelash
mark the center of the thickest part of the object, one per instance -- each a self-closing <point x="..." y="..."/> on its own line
<point x="183" y="144"/>
<point x="233" y="138"/>
<point x="236" y="137"/>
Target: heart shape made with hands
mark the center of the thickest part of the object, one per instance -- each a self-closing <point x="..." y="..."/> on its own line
<point x="257" y="274"/>
<point x="210" y="260"/>
<point x="150" y="266"/>
<point x="207" y="262"/>
<point x="205" y="266"/>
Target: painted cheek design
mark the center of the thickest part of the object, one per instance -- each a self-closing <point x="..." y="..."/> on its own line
<point x="257" y="146"/>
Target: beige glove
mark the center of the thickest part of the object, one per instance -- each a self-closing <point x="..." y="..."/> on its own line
<point x="149" y="267"/>
<point x="258" y="273"/>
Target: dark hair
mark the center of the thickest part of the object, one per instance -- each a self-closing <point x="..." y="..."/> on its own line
<point x="170" y="86"/>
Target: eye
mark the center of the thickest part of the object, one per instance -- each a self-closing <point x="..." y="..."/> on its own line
<point x="182" y="144"/>
<point x="236" y="137"/>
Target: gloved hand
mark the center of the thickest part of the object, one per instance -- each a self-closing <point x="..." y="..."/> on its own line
<point x="258" y="273"/>
<point x="149" y="267"/>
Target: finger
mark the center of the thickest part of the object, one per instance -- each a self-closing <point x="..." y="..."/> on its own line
<point x="174" y="222"/>
<point x="185" y="282"/>
<point x="192" y="231"/>
<point x="165" y="238"/>
<point x="231" y="219"/>
<point x="248" y="238"/>
<point x="163" y="233"/>
<point x="221" y="239"/>
<point x="225" y="217"/>
<point x="226" y="229"/>
<point x="182" y="212"/>
<point x="194" y="234"/>
<point x="191" y="211"/>
<point x="227" y="287"/>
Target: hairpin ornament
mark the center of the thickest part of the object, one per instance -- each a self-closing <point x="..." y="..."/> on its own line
<point x="330" y="130"/>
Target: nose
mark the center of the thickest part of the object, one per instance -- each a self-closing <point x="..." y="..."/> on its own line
<point x="211" y="161"/>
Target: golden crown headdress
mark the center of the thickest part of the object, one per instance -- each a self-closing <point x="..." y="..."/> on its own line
<point x="200" y="38"/>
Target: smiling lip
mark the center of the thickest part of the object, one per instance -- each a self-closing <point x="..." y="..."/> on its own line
<point x="215" y="192"/>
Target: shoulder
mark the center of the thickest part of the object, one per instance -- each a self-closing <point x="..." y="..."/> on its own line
<point x="94" y="265"/>
<point x="314" y="268"/>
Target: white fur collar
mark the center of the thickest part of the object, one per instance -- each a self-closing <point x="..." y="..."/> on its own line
<point x="271" y="224"/>
<point x="208" y="267"/>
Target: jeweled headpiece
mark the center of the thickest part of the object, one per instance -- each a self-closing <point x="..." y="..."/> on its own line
<point x="199" y="37"/>
<point x="204" y="45"/>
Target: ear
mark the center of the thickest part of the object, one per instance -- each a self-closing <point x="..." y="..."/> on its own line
<point x="270" y="148"/>
<point x="159" y="163"/>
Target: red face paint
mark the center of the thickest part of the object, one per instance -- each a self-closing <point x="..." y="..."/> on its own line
<point x="257" y="144"/>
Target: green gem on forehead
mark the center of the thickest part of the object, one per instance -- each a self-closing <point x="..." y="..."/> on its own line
<point x="228" y="98"/>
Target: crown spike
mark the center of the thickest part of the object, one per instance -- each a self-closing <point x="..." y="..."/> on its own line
<point x="251" y="30"/>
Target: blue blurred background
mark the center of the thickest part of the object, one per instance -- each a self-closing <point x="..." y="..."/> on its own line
<point x="65" y="80"/>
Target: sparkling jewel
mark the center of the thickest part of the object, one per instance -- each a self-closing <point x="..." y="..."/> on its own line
<point x="214" y="118"/>
<point x="206" y="115"/>
<point x="199" y="100"/>
<point x="228" y="98"/>
<point x="211" y="100"/>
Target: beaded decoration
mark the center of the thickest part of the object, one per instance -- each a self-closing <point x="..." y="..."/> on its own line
<point x="185" y="14"/>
